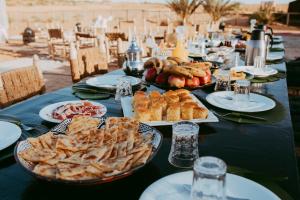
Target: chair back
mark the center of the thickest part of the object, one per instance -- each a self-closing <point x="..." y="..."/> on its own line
<point x="86" y="62"/>
<point x="19" y="84"/>
<point x="55" y="33"/>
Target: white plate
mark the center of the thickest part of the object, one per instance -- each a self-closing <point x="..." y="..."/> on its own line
<point x="46" y="112"/>
<point x="272" y="57"/>
<point x="258" y="103"/>
<point x="9" y="134"/>
<point x="111" y="81"/>
<point x="266" y="71"/>
<point x="178" y="186"/>
<point x="128" y="112"/>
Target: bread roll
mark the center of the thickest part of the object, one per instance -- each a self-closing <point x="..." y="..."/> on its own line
<point x="181" y="92"/>
<point x="173" y="112"/>
<point x="172" y="99"/>
<point x="156" y="112"/>
<point x="200" y="113"/>
<point x="170" y="93"/>
<point x="154" y="95"/>
<point x="142" y="114"/>
<point x="187" y="111"/>
<point x="141" y="102"/>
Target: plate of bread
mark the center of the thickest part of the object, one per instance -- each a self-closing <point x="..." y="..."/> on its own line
<point x="87" y="151"/>
<point x="159" y="109"/>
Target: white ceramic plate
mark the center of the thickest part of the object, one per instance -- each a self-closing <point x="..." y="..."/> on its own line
<point x="178" y="186"/>
<point x="128" y="112"/>
<point x="257" y="103"/>
<point x="9" y="134"/>
<point x="267" y="71"/>
<point x="272" y="57"/>
<point x="46" y="112"/>
<point x="111" y="81"/>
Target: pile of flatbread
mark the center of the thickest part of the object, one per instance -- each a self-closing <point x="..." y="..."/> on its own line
<point x="89" y="153"/>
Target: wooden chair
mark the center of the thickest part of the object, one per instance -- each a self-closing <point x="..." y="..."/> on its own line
<point x="57" y="43"/>
<point x="86" y="62"/>
<point x="19" y="84"/>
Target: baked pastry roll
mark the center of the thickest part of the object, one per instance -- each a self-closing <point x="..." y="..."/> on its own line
<point x="187" y="110"/>
<point x="162" y="102"/>
<point x="173" y="112"/>
<point x="180" y="92"/>
<point x="154" y="95"/>
<point x="200" y="113"/>
<point x="172" y="99"/>
<point x="170" y="93"/>
<point x="156" y="112"/>
<point x="138" y="96"/>
<point x="141" y="102"/>
<point x="142" y="114"/>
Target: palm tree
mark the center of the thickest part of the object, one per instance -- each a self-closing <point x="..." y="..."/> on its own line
<point x="219" y="8"/>
<point x="265" y="13"/>
<point x="184" y="8"/>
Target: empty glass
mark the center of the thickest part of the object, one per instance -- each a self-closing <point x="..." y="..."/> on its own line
<point x="242" y="91"/>
<point x="184" y="149"/>
<point x="223" y="82"/>
<point x="259" y="63"/>
<point x="124" y="89"/>
<point x="209" y="179"/>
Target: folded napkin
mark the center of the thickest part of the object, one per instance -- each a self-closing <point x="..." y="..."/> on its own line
<point x="87" y="92"/>
<point x="273" y="78"/>
<point x="276" y="49"/>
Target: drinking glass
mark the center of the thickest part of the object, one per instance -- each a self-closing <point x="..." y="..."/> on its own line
<point x="223" y="82"/>
<point x="209" y="179"/>
<point x="124" y="89"/>
<point x="259" y="63"/>
<point x="232" y="60"/>
<point x="242" y="91"/>
<point x="184" y="149"/>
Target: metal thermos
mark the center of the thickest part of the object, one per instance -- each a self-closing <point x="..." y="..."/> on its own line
<point x="256" y="46"/>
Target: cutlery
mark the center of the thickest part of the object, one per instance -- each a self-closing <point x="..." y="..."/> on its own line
<point x="239" y="115"/>
<point x="14" y="120"/>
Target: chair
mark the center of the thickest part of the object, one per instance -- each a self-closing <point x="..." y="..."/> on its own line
<point x="57" y="42"/>
<point x="19" y="84"/>
<point x="86" y="40"/>
<point x="86" y="62"/>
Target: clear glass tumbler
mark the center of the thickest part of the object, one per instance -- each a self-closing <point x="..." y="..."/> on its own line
<point x="124" y="89"/>
<point x="223" y="82"/>
<point x="184" y="149"/>
<point x="209" y="179"/>
<point x="242" y="91"/>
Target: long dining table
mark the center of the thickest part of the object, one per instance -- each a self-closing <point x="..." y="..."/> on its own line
<point x="263" y="149"/>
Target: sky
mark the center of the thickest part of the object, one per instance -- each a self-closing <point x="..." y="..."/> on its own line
<point x="242" y="1"/>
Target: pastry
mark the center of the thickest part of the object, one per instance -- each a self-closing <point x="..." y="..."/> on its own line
<point x="200" y="113"/>
<point x="187" y="111"/>
<point x="142" y="114"/>
<point x="172" y="99"/>
<point x="173" y="112"/>
<point x="156" y="112"/>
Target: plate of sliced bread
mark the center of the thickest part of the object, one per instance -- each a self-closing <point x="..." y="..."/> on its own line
<point x="159" y="109"/>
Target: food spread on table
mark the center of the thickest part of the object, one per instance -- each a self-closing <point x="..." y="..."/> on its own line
<point x="171" y="106"/>
<point x="86" y="152"/>
<point x="234" y="75"/>
<point x="176" y="73"/>
<point x="69" y="110"/>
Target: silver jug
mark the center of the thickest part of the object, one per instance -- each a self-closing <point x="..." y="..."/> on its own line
<point x="256" y="46"/>
<point x="133" y="64"/>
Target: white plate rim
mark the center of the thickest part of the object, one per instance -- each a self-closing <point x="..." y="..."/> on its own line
<point x="15" y="134"/>
<point x="127" y="112"/>
<point x="228" y="176"/>
<point x="245" y="69"/>
<point x="115" y="76"/>
<point x="210" y="100"/>
<point x="45" y="115"/>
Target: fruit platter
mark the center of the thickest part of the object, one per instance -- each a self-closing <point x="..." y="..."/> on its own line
<point x="174" y="73"/>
